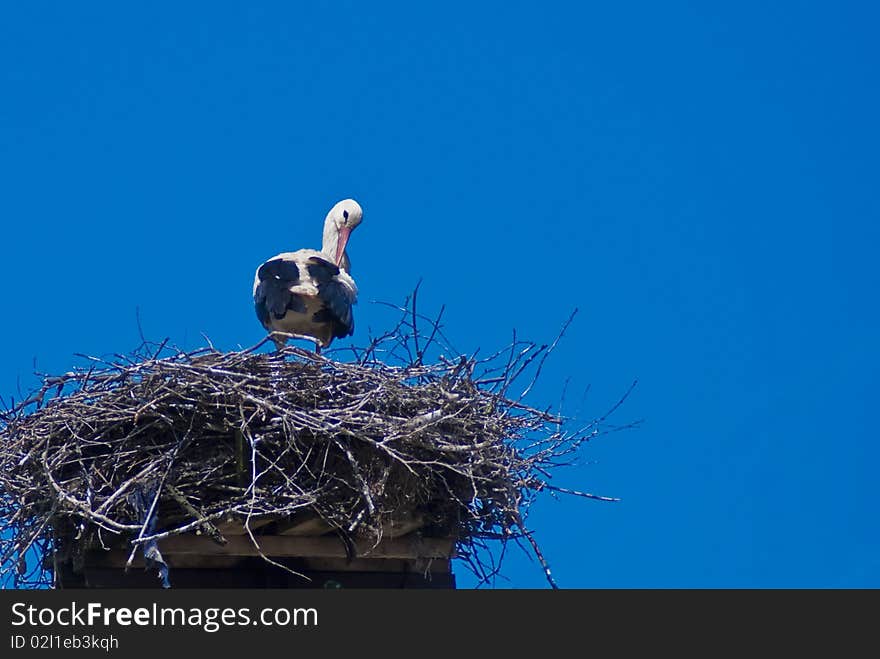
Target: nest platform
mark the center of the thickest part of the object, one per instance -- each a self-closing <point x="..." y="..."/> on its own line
<point x="288" y="468"/>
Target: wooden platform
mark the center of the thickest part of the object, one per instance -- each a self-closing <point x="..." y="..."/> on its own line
<point x="305" y="547"/>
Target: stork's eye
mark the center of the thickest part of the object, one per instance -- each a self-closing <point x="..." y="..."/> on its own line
<point x="345" y="214"/>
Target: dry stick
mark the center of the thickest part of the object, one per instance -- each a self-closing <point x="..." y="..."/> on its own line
<point x="578" y="493"/>
<point x="506" y="371"/>
<point x="435" y="328"/>
<point x="207" y="527"/>
<point x="539" y="555"/>
<point x="520" y="367"/>
<point x="124" y="487"/>
<point x="92" y="515"/>
<point x="547" y="354"/>
<point x="208" y="341"/>
<point x="37" y="397"/>
<point x="415" y="327"/>
<point x="22" y="549"/>
<point x="186" y="528"/>
<point x="405" y="313"/>
<point x="247" y="523"/>
<point x="269" y="560"/>
<point x="149" y="514"/>
<point x="618" y="403"/>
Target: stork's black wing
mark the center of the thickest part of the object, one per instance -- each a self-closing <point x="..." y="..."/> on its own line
<point x="335" y="295"/>
<point x="272" y="297"/>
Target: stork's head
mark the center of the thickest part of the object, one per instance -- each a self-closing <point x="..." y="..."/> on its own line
<point x="341" y="221"/>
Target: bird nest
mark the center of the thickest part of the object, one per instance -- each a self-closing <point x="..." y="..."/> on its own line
<point x="161" y="442"/>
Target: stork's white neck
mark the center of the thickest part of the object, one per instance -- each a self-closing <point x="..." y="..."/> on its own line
<point x="330" y="244"/>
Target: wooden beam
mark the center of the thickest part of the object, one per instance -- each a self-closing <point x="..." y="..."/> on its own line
<point x="117" y="558"/>
<point x="302" y="525"/>
<point x="267" y="577"/>
<point x="404" y="524"/>
<point x="235" y="526"/>
<point x="411" y="547"/>
<point x="390" y="565"/>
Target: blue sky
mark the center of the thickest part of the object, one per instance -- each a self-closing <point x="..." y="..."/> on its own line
<point x="701" y="182"/>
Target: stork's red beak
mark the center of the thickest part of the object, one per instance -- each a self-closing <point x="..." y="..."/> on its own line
<point x="344" y="233"/>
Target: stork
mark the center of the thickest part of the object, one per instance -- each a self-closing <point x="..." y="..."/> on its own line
<point x="311" y="292"/>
